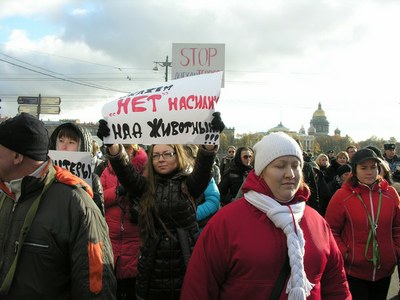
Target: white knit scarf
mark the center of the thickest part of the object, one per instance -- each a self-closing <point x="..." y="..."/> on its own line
<point x="298" y="286"/>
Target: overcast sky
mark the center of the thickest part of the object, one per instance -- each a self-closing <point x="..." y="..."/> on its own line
<point x="282" y="57"/>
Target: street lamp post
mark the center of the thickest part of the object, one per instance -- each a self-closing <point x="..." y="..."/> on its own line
<point x="163" y="64"/>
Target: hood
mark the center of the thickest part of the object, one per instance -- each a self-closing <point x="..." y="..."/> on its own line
<point x="237" y="166"/>
<point x="83" y="133"/>
<point x="139" y="160"/>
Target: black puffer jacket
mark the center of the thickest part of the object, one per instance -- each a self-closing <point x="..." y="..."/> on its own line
<point x="85" y="146"/>
<point x="234" y="178"/>
<point x="162" y="263"/>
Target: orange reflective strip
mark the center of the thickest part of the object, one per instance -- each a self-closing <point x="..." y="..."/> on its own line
<point x="95" y="253"/>
<point x="5" y="189"/>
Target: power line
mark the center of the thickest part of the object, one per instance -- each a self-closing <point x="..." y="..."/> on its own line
<point x="61" y="78"/>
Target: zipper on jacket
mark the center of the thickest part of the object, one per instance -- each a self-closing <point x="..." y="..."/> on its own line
<point x="14" y="205"/>
<point x="37" y="245"/>
<point x="373" y="219"/>
<point x="16" y="246"/>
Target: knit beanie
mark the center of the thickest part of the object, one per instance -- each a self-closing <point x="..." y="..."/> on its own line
<point x="25" y="134"/>
<point x="343" y="169"/>
<point x="273" y="146"/>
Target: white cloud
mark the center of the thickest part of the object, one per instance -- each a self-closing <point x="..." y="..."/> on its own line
<point x="29" y="8"/>
<point x="282" y="57"/>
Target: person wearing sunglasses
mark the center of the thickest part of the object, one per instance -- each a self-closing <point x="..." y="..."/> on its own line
<point x="227" y="160"/>
<point x="234" y="178"/>
<point x="166" y="212"/>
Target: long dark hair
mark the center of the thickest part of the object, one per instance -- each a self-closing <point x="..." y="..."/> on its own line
<point x="148" y="213"/>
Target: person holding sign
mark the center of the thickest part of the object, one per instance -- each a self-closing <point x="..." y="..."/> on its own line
<point x="167" y="214"/>
<point x="73" y="137"/>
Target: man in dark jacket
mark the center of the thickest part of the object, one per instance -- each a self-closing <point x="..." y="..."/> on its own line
<point x="54" y="242"/>
<point x="393" y="160"/>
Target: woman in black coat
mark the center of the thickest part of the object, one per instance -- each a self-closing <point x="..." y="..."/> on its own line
<point x="167" y="214"/>
<point x="234" y="178"/>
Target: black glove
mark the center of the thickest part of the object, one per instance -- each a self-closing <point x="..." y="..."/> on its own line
<point x="103" y="130"/>
<point x="216" y="122"/>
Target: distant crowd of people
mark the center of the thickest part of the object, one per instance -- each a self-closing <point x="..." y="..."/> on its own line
<point x="172" y="221"/>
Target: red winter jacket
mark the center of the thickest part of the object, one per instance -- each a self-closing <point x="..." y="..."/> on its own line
<point x="347" y="216"/>
<point x="124" y="234"/>
<point x="240" y="253"/>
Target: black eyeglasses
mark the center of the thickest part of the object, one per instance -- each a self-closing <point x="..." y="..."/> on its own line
<point x="165" y="155"/>
<point x="246" y="156"/>
<point x="231" y="151"/>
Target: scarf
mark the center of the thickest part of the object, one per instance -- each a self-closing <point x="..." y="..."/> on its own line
<point x="282" y="216"/>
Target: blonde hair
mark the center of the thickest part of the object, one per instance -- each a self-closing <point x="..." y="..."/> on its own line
<point x="319" y="158"/>
<point x="343" y="153"/>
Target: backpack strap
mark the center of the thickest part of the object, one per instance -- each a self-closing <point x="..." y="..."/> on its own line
<point x="2" y="199"/>
<point x="24" y="231"/>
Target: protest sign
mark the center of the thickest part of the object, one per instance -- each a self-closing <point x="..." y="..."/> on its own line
<point x="78" y="163"/>
<point x="176" y="112"/>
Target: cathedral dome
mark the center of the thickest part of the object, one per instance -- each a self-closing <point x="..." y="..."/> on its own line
<point x="319" y="112"/>
<point x="278" y="128"/>
<point x="320" y="122"/>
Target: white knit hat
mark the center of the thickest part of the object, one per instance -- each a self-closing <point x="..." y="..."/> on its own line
<point x="273" y="146"/>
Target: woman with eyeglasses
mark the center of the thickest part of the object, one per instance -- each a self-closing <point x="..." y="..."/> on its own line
<point x="167" y="214"/>
<point x="364" y="216"/>
<point x="237" y="173"/>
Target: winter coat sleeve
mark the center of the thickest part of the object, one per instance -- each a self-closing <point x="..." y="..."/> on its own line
<point x="133" y="182"/>
<point x="396" y="222"/>
<point x="211" y="203"/>
<point x="91" y="252"/>
<point x="198" y="180"/>
<point x="335" y="216"/>
<point x="98" y="194"/>
<point x="333" y="282"/>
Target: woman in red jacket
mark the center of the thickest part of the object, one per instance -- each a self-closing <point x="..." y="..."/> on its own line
<point x="243" y="248"/>
<point x="124" y="232"/>
<point x="365" y="219"/>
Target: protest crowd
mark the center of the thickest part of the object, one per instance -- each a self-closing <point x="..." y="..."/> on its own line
<point x="172" y="221"/>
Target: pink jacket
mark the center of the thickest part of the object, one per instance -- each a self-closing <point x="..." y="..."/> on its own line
<point x="347" y="216"/>
<point x="240" y="253"/>
<point x="124" y="234"/>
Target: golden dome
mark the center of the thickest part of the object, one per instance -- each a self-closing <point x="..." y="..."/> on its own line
<point x="319" y="112"/>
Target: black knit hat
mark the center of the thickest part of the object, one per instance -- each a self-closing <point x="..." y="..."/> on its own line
<point x="343" y="169"/>
<point x="25" y="134"/>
